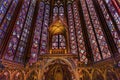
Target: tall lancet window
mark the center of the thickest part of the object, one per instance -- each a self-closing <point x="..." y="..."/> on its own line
<point x="91" y="33"/>
<point x="55" y="13"/>
<point x="73" y="44"/>
<point x="111" y="27"/>
<point x="55" y="37"/>
<point x="37" y="33"/>
<point x="98" y="31"/>
<point x="62" y="43"/>
<point x="7" y="19"/>
<point x="114" y="13"/>
<point x="61" y="12"/>
<point x="3" y="8"/>
<point x="95" y="27"/>
<point x="15" y="37"/>
<point x="20" y="52"/>
<point x="79" y="35"/>
<point x="44" y="35"/>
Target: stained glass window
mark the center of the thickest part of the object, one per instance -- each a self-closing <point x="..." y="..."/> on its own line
<point x="55" y="13"/>
<point x="37" y="33"/>
<point x="1" y="2"/>
<point x="114" y="12"/>
<point x="73" y="44"/>
<point x="7" y="20"/>
<point x="98" y="31"/>
<point x="3" y="8"/>
<point x="14" y="39"/>
<point x="58" y="42"/>
<point x="55" y="42"/>
<point x="61" y="12"/>
<point x="110" y="25"/>
<point x="20" y="53"/>
<point x="44" y="36"/>
<point x="62" y="42"/>
<point x="18" y="41"/>
<point x="81" y="45"/>
<point x="116" y="5"/>
<point x="91" y="34"/>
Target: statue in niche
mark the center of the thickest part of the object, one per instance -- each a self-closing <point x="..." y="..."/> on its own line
<point x="58" y="75"/>
<point x="5" y="76"/>
<point x="111" y="75"/>
<point x="85" y="75"/>
<point x="97" y="76"/>
<point x="58" y="72"/>
<point x="18" y="76"/>
<point x="32" y="76"/>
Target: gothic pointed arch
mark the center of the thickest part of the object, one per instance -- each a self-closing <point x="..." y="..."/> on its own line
<point x="32" y="76"/>
<point x="18" y="75"/>
<point x="86" y="75"/>
<point x="58" y="37"/>
<point x="111" y="75"/>
<point x="5" y="75"/>
<point x="58" y="70"/>
<point x="97" y="75"/>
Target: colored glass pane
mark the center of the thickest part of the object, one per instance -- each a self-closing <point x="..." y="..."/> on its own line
<point x="55" y="13"/>
<point x="73" y="44"/>
<point x="80" y="41"/>
<point x="37" y="33"/>
<point x="110" y="25"/>
<point x="91" y="34"/>
<point x="7" y="20"/>
<point x="20" y="52"/>
<point x="114" y="12"/>
<point x="14" y="39"/>
<point x="98" y="31"/>
<point x="3" y="8"/>
<point x="44" y="36"/>
<point x="55" y="42"/>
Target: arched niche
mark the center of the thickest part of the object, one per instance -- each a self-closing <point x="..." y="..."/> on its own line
<point x="5" y="76"/>
<point x="85" y="75"/>
<point x="58" y="70"/>
<point x="18" y="76"/>
<point x="58" y="30"/>
<point x="97" y="75"/>
<point x="32" y="76"/>
<point x="110" y="75"/>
